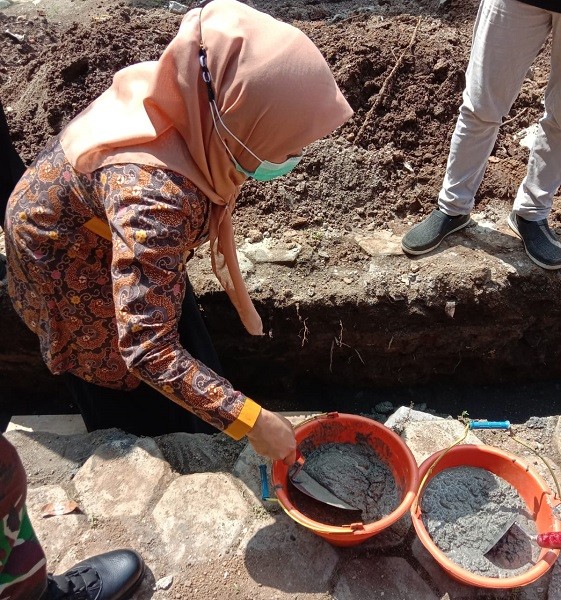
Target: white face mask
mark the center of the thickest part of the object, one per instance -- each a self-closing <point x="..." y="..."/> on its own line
<point x="266" y="170"/>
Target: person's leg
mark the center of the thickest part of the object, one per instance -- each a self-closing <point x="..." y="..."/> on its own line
<point x="534" y="198"/>
<point x="144" y="411"/>
<point x="23" y="572"/>
<point x="507" y="38"/>
<point x="543" y="178"/>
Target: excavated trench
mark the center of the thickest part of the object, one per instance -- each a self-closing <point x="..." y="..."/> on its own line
<point x="351" y="323"/>
<point x="496" y="358"/>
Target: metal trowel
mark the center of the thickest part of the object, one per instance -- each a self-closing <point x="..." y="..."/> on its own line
<point x="550" y="539"/>
<point x="308" y="485"/>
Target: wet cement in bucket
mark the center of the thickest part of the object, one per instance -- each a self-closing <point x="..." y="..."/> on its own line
<point x="465" y="509"/>
<point x="355" y="474"/>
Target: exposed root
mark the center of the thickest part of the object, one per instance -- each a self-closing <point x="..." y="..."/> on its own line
<point x="303" y="333"/>
<point x="339" y="342"/>
<point x="387" y="83"/>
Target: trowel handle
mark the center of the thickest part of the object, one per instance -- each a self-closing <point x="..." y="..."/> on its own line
<point x="264" y="482"/>
<point x="551" y="539"/>
<point x="489" y="424"/>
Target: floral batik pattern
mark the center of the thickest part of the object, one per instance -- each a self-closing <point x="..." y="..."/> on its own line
<point x="107" y="310"/>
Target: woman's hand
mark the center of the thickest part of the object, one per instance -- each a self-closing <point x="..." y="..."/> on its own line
<point x="272" y="436"/>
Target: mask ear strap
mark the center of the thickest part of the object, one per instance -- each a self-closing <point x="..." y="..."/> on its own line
<point x="207" y="78"/>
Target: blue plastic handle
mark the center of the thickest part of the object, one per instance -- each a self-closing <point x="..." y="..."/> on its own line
<point x="489" y="425"/>
<point x="264" y="482"/>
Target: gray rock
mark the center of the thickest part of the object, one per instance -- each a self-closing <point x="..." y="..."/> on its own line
<point x="178" y="8"/>
<point x="385" y="407"/>
<point x="272" y="252"/>
<point x="426" y="438"/>
<point x="199" y="452"/>
<point x="199" y="516"/>
<point x="61" y="531"/>
<point x="404" y="415"/>
<point x="107" y="478"/>
<point x="285" y="557"/>
<point x="51" y="458"/>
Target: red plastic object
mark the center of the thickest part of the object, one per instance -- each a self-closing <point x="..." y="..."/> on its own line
<point x="551" y="539"/>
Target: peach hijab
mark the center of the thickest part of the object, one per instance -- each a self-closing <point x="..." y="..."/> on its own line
<point x="274" y="91"/>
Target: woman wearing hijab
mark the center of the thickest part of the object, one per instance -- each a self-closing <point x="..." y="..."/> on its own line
<point x="101" y="226"/>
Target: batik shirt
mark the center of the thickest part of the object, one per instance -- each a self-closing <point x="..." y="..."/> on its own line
<point x="107" y="310"/>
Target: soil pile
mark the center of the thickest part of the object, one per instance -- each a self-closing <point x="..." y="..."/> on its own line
<point x="400" y="64"/>
<point x="366" y="322"/>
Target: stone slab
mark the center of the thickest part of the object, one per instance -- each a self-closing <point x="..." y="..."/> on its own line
<point x="116" y="469"/>
<point x="282" y="555"/>
<point x="426" y="438"/>
<point x="405" y="415"/>
<point x="57" y="424"/>
<point x="57" y="533"/>
<point x="201" y="515"/>
<point x="51" y="458"/>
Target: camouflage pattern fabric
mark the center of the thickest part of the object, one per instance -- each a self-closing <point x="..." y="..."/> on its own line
<point x="23" y="573"/>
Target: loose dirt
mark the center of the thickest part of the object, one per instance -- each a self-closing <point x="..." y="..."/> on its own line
<point x="400" y="64"/>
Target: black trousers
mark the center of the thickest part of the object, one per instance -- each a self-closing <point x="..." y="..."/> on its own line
<point x="11" y="170"/>
<point x="144" y="411"/>
<point x="11" y="165"/>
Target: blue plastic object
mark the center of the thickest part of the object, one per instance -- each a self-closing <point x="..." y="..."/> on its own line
<point x="264" y="482"/>
<point x="489" y="424"/>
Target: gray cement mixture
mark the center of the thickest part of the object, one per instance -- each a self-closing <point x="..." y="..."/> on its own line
<point x="355" y="474"/>
<point x="466" y="509"/>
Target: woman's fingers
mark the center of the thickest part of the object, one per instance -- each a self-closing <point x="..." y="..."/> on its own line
<point x="272" y="436"/>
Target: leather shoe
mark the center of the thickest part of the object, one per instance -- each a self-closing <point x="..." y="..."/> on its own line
<point x="111" y="576"/>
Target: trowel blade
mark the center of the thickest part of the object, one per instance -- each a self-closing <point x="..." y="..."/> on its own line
<point x="312" y="488"/>
<point x="509" y="522"/>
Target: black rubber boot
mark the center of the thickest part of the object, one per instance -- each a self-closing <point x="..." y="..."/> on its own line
<point x="111" y="576"/>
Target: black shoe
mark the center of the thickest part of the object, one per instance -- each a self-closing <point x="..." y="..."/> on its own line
<point x="110" y="576"/>
<point x="2" y="267"/>
<point x="541" y="244"/>
<point x="427" y="235"/>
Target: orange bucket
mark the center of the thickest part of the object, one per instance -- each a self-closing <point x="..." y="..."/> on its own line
<point x="350" y="429"/>
<point x="532" y="489"/>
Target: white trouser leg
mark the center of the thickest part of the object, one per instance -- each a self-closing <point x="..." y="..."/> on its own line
<point x="543" y="178"/>
<point x="507" y="38"/>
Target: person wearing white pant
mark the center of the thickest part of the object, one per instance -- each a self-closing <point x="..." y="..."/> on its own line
<point x="508" y="35"/>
